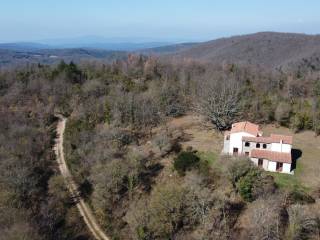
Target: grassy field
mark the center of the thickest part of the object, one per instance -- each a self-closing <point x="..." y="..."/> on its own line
<point x="209" y="144"/>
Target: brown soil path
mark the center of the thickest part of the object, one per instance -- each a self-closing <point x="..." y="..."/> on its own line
<point x="83" y="208"/>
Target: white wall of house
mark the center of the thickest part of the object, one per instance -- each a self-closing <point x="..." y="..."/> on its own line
<point x="255" y="160"/>
<point x="287" y="168"/>
<point x="272" y="166"/>
<point x="236" y="141"/>
<point x="226" y="145"/>
<point x="278" y="147"/>
<point x="265" y="164"/>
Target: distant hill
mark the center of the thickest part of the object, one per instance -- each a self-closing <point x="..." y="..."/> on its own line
<point x="10" y="57"/>
<point x="23" y="46"/>
<point x="92" y="42"/>
<point x="168" y="48"/>
<point x="114" y="46"/>
<point x="268" y="49"/>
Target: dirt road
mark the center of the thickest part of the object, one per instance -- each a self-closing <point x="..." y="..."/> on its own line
<point x="84" y="210"/>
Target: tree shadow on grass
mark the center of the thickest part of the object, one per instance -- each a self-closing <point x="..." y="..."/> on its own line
<point x="296" y="155"/>
<point x="85" y="189"/>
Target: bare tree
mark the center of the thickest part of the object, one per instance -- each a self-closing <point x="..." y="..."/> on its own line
<point x="218" y="101"/>
<point x="303" y="222"/>
<point x="266" y="219"/>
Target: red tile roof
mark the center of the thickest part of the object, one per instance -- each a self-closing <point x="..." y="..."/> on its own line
<point x="272" y="156"/>
<point x="285" y="139"/>
<point x="247" y="127"/>
<point x="274" y="138"/>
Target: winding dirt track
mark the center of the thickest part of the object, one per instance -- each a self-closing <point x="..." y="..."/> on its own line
<point x="84" y="210"/>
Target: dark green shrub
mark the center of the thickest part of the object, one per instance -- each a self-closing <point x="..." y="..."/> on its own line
<point x="238" y="169"/>
<point x="246" y="184"/>
<point x="186" y="161"/>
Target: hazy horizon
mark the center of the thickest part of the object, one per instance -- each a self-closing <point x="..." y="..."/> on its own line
<point x="99" y="39"/>
<point x="165" y="21"/>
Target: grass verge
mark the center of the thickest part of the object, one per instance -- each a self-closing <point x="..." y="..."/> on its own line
<point x="288" y="182"/>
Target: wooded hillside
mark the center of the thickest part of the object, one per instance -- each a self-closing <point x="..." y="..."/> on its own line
<point x="116" y="142"/>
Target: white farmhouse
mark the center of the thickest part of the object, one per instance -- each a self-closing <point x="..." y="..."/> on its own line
<point x="271" y="153"/>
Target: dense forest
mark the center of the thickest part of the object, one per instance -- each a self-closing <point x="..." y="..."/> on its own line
<point x="115" y="108"/>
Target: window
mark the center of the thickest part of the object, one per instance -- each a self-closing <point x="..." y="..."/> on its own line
<point x="247" y="144"/>
<point x="246" y="153"/>
<point x="260" y="162"/>
<point x="264" y="146"/>
<point x="258" y="145"/>
<point x="235" y="151"/>
<point x="279" y="167"/>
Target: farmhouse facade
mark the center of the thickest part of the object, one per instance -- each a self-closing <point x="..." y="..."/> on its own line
<point x="272" y="153"/>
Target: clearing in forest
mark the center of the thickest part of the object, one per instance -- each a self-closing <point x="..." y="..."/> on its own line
<point x="208" y="141"/>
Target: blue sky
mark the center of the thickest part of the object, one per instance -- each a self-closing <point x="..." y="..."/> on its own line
<point x="31" y="20"/>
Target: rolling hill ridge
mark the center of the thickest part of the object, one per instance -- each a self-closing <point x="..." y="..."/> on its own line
<point x="268" y="49"/>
